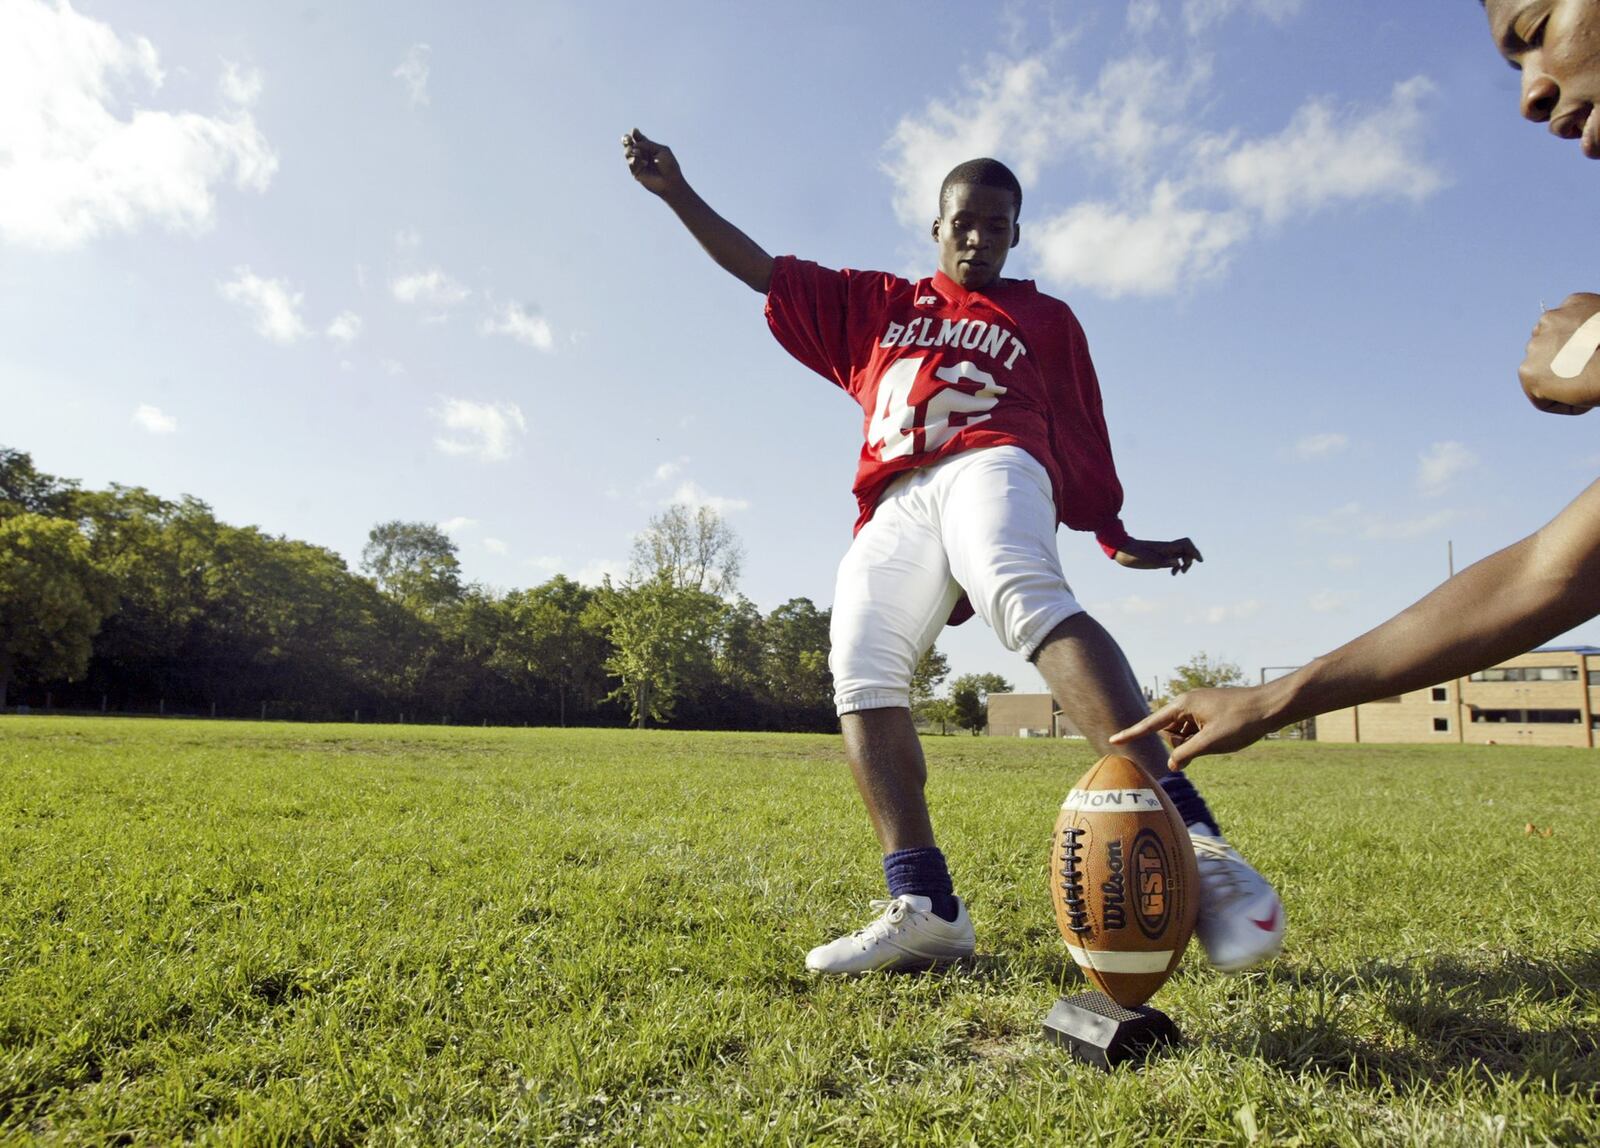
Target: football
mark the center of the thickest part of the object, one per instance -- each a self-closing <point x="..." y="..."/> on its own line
<point x="1123" y="880"/>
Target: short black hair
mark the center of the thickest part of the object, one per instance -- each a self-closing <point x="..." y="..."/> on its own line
<point x="981" y="173"/>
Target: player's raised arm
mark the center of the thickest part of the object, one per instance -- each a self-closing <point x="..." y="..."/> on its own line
<point x="1495" y="609"/>
<point x="656" y="169"/>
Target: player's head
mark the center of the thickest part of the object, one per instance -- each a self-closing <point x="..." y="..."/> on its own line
<point x="979" y="202"/>
<point x="1556" y="46"/>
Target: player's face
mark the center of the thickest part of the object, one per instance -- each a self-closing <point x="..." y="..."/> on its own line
<point x="976" y="230"/>
<point x="1556" y="46"/>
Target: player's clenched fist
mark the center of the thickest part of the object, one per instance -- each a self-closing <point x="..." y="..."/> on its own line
<point x="1561" y="371"/>
<point x="652" y="164"/>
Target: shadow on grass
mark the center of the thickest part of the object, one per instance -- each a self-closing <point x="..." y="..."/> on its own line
<point x="1450" y="1015"/>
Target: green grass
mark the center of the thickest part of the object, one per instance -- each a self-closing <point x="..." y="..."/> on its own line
<point x="326" y="934"/>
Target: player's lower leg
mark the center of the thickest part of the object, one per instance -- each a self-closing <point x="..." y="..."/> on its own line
<point x="1241" y="918"/>
<point x="922" y="922"/>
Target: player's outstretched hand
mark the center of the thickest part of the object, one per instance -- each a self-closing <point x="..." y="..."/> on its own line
<point x="1177" y="555"/>
<point x="1560" y="371"/>
<point x="1206" y="721"/>
<point x="652" y="164"/>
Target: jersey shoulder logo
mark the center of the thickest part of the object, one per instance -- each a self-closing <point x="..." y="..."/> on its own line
<point x="927" y="300"/>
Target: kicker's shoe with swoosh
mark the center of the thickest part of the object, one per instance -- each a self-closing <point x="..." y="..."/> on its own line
<point x="1241" y="916"/>
<point x="908" y="934"/>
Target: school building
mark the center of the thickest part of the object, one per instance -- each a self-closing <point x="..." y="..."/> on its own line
<point x="1549" y="696"/>
<point x="1027" y="715"/>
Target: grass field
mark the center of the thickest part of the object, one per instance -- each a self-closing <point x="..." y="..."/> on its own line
<point x="324" y="934"/>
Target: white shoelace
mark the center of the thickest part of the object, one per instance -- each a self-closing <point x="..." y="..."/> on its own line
<point x="1224" y="868"/>
<point x="893" y="912"/>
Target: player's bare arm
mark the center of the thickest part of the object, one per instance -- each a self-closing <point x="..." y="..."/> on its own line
<point x="656" y="169"/>
<point x="1560" y="372"/>
<point x="1509" y="603"/>
<point x="1177" y="555"/>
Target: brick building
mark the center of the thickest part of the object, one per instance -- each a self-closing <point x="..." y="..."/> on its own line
<point x="1549" y="696"/>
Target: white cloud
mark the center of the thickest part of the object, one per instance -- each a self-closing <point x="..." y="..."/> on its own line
<point x="1134" y="605"/>
<point x="1143" y="15"/>
<point x="345" y="328"/>
<point x="594" y="572"/>
<point x="1329" y="601"/>
<point x="511" y="320"/>
<point x="1440" y="465"/>
<point x="413" y="73"/>
<point x="1351" y="519"/>
<point x="486" y="431"/>
<point x="80" y="153"/>
<point x="273" y="303"/>
<point x="154" y="420"/>
<point x="1152" y="252"/>
<point x="1184" y="197"/>
<point x="495" y="546"/>
<point x="1234" y="612"/>
<point x="1321" y="445"/>
<point x="1322" y="158"/>
<point x="1198" y="15"/>
<point x="694" y="496"/>
<point x="393" y="367"/>
<point x="546" y="562"/>
<point x="1383" y="529"/>
<point x="458" y="523"/>
<point x="667" y="471"/>
<point x="1343" y="562"/>
<point x="240" y="86"/>
<point x="407" y="239"/>
<point x="431" y="288"/>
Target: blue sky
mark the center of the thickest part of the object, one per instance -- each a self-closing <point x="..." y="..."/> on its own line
<point x="325" y="267"/>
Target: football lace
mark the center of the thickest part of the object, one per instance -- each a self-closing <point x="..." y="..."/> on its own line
<point x="1072" y="882"/>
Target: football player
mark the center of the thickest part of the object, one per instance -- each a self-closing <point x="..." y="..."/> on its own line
<point x="983" y="429"/>
<point x="1532" y="590"/>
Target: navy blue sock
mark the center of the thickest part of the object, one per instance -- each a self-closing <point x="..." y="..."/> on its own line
<point x="922" y="873"/>
<point x="1191" y="806"/>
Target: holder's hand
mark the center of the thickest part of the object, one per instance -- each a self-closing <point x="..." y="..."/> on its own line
<point x="1560" y="371"/>
<point x="1207" y="721"/>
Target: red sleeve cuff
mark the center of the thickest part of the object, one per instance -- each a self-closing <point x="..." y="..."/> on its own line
<point x="1112" y="537"/>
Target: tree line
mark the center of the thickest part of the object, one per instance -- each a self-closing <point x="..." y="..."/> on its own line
<point x="119" y="599"/>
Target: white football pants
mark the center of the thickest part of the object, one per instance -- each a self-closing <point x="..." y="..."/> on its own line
<point x="983" y="522"/>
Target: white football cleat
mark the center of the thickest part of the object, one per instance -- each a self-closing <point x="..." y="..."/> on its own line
<point x="1240" y="923"/>
<point x="908" y="935"/>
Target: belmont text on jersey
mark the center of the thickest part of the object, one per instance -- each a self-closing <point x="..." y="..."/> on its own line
<point x="938" y="370"/>
<point x="971" y="334"/>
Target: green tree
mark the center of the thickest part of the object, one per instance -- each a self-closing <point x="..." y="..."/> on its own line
<point x="794" y="658"/>
<point x="550" y="640"/>
<point x="52" y="599"/>
<point x="693" y="549"/>
<point x="1201" y="672"/>
<point x="932" y="669"/>
<point x="662" y="638"/>
<point x="940" y="712"/>
<point x="24" y="489"/>
<point x="969" y="697"/>
<point x="414" y="562"/>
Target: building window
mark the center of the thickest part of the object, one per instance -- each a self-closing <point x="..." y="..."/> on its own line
<point x="1532" y="674"/>
<point x="1441" y="694"/>
<point x="1396" y="700"/>
<point x="1441" y="725"/>
<point x="1594" y="677"/>
<point x="1555" y="717"/>
<point x="1529" y="717"/>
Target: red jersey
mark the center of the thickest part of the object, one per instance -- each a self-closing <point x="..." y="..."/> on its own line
<point x="939" y="369"/>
